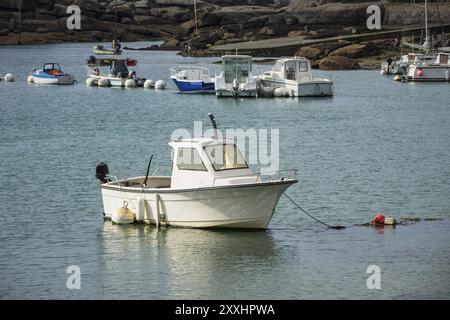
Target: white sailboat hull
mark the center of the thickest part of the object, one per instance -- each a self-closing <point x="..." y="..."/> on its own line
<point x="428" y="73"/>
<point x="242" y="206"/>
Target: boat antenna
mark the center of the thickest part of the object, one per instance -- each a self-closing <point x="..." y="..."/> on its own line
<point x="148" y="170"/>
<point x="213" y="121"/>
<point x="19" y="41"/>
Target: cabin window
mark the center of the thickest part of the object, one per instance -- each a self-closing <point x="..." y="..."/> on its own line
<point x="189" y="159"/>
<point x="290" y="70"/>
<point x="236" y="68"/>
<point x="303" y="66"/>
<point x="225" y="157"/>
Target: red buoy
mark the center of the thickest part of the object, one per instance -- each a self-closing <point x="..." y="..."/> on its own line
<point x="420" y="73"/>
<point x="378" y="219"/>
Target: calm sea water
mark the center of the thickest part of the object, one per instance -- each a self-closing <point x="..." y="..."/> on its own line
<point x="376" y="146"/>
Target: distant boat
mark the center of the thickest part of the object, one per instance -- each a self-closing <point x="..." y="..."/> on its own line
<point x="236" y="78"/>
<point x="117" y="76"/>
<point x="101" y="50"/>
<point x="293" y="77"/>
<point x="438" y="71"/>
<point x="51" y="74"/>
<point x="192" y="79"/>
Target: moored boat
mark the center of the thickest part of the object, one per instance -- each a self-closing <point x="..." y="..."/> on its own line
<point x="192" y="79"/>
<point x="236" y="78"/>
<point x="211" y="185"/>
<point x="293" y="77"/>
<point x="50" y="74"/>
<point x="439" y="71"/>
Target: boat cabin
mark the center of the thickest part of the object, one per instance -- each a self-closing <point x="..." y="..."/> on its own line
<point x="236" y="67"/>
<point x="296" y="69"/>
<point x="207" y="162"/>
<point x="190" y="73"/>
<point x="119" y="68"/>
<point x="442" y="58"/>
<point x="52" y="69"/>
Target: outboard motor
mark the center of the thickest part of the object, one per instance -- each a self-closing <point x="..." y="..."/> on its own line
<point x="101" y="172"/>
<point x="235" y="87"/>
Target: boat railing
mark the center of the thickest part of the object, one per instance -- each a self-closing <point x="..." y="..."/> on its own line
<point x="279" y="175"/>
<point x="191" y="72"/>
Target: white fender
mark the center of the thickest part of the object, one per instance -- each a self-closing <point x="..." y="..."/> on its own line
<point x="130" y="83"/>
<point x="140" y="210"/>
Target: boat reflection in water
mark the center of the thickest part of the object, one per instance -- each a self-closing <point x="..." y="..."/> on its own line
<point x="175" y="263"/>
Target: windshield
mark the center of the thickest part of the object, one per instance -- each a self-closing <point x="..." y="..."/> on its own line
<point x="236" y="68"/>
<point x="225" y="157"/>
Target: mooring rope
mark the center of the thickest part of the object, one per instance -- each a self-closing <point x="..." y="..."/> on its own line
<point x="304" y="211"/>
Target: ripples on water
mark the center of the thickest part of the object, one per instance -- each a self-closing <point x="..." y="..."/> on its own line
<point x="377" y="146"/>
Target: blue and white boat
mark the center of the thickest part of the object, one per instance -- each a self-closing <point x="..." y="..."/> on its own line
<point x="192" y="79"/>
<point x="50" y="74"/>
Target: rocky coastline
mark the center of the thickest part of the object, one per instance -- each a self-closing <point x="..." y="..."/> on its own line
<point x="222" y="22"/>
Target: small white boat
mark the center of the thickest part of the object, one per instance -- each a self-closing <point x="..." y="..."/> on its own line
<point x="211" y="185"/>
<point x="50" y="74"/>
<point x="101" y="51"/>
<point x="236" y="78"/>
<point x="192" y="79"/>
<point x="439" y="71"/>
<point x="118" y="75"/>
<point x="293" y="77"/>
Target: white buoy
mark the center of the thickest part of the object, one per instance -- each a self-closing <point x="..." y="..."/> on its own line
<point x="30" y="79"/>
<point x="398" y="77"/>
<point x="279" y="92"/>
<point x="160" y="85"/>
<point x="383" y="72"/>
<point x="103" y="82"/>
<point x="130" y="83"/>
<point x="140" y="210"/>
<point x="9" y="77"/>
<point x="149" y="84"/>
<point x="90" y="82"/>
<point x="123" y="216"/>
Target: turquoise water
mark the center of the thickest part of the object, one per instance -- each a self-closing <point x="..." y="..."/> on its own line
<point x="376" y="146"/>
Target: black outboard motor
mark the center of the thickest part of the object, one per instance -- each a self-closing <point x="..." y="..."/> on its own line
<point x="101" y="172"/>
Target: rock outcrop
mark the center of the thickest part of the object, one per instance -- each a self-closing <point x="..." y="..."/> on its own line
<point x="338" y="63"/>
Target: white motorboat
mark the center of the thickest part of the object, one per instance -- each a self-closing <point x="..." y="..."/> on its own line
<point x="236" y="78"/>
<point x="293" y="77"/>
<point x="50" y="74"/>
<point x="211" y="185"/>
<point x="430" y="72"/>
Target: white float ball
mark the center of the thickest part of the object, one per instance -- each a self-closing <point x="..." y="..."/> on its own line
<point x="9" y="77"/>
<point x="30" y="79"/>
<point x="90" y="82"/>
<point x="383" y="72"/>
<point x="279" y="92"/>
<point x="130" y="83"/>
<point x="148" y="84"/>
<point x="103" y="82"/>
<point x="160" y="85"/>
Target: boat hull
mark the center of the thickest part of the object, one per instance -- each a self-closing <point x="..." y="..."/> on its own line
<point x="239" y="206"/>
<point x="313" y="88"/>
<point x="113" y="81"/>
<point x="428" y="73"/>
<point x="193" y="86"/>
<point x="53" y="80"/>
